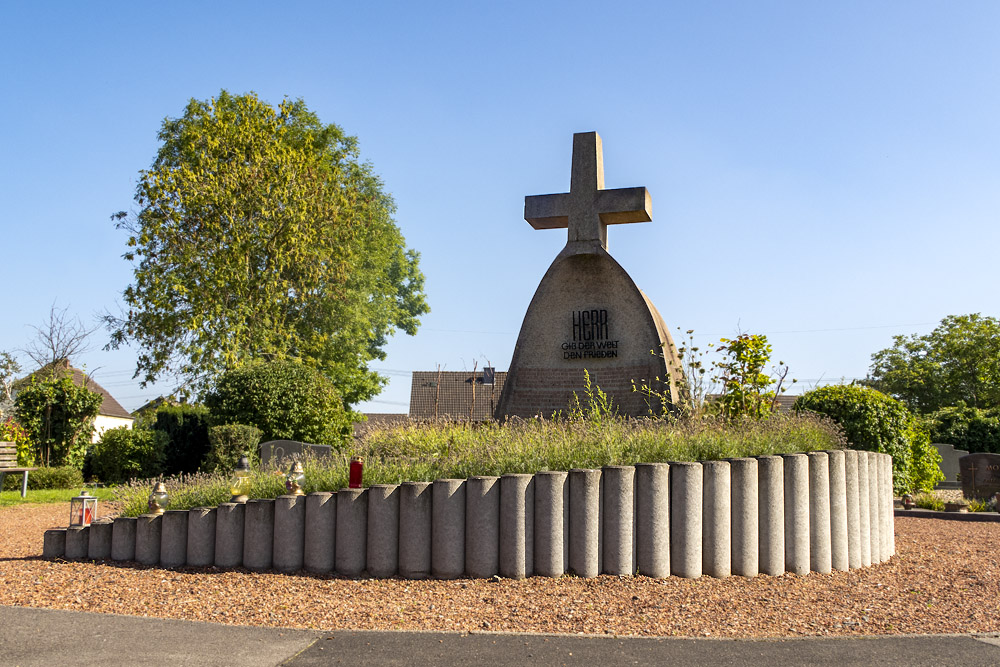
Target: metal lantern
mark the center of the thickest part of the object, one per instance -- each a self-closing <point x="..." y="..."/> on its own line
<point x="158" y="499"/>
<point x="238" y="486"/>
<point x="908" y="502"/>
<point x="82" y="509"/>
<point x="295" y="480"/>
<point x="356" y="472"/>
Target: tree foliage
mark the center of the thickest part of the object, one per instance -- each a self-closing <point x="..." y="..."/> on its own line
<point x="58" y="417"/>
<point x="971" y="429"/>
<point x="185" y="427"/>
<point x="260" y="236"/>
<point x="228" y="443"/>
<point x="958" y="362"/>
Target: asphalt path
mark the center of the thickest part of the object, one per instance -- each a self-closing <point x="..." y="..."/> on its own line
<point x="55" y="638"/>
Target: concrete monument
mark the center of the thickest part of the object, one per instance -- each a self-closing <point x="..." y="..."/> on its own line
<point x="980" y="475"/>
<point x="587" y="313"/>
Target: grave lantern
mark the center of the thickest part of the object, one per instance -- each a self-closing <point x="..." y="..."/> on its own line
<point x="240" y="474"/>
<point x="82" y="509"/>
<point x="908" y="502"/>
<point x="158" y="499"/>
<point x="356" y="472"/>
<point x="295" y="480"/>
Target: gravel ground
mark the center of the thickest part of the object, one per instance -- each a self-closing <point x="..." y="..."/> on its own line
<point x="944" y="579"/>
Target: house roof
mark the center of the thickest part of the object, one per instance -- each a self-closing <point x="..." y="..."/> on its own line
<point x="109" y="406"/>
<point x="449" y="394"/>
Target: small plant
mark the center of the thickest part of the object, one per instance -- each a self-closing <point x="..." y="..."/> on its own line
<point x="228" y="443"/>
<point x="929" y="501"/>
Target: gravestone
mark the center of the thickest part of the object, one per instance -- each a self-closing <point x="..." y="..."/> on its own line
<point x="587" y="314"/>
<point x="980" y="475"/>
<point x="949" y="465"/>
<point x="276" y="450"/>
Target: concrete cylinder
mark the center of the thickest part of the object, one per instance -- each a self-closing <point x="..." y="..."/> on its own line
<point x="619" y="525"/>
<point x="448" y="528"/>
<point x="716" y="521"/>
<point x="77" y="542"/>
<point x="853" y="511"/>
<point x="415" y="521"/>
<point x="864" y="511"/>
<point x="686" y="503"/>
<point x="288" y="549"/>
<point x="890" y="526"/>
<point x="352" y="532"/>
<point x="147" y="538"/>
<point x="838" y="510"/>
<point x="482" y="526"/>
<point x="54" y="543"/>
<point x="550" y="523"/>
<point x="99" y="544"/>
<point x="123" y="538"/>
<point x="201" y="537"/>
<point x="383" y="530"/>
<point x="745" y="517"/>
<point x="321" y="524"/>
<point x="229" y="526"/>
<point x="873" y="507"/>
<point x="652" y="519"/>
<point x="173" y="538"/>
<point x="258" y="534"/>
<point x="796" y="469"/>
<point x="585" y="522"/>
<point x="517" y="526"/>
<point x="819" y="512"/>
<point x="771" y="519"/>
<point x="884" y="504"/>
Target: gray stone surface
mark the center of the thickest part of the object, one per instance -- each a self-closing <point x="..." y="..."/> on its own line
<point x="771" y="518"/>
<point x="147" y="539"/>
<point x="980" y="475"/>
<point x="949" y="465"/>
<point x="415" y="520"/>
<point x="77" y="542"/>
<point x="745" y="517"/>
<point x="619" y="525"/>
<point x="853" y="509"/>
<point x="352" y="532"/>
<point x="258" y="534"/>
<point x="99" y="544"/>
<point x="54" y="543"/>
<point x="888" y="531"/>
<point x="318" y="547"/>
<point x="288" y="547"/>
<point x="686" y="503"/>
<point x="652" y="519"/>
<point x="716" y="522"/>
<point x="864" y="510"/>
<point x="551" y="492"/>
<point x="201" y="537"/>
<point x="874" y="507"/>
<point x="173" y="538"/>
<point x="517" y="521"/>
<point x="819" y="512"/>
<point x="229" y="527"/>
<point x="448" y="528"/>
<point x="383" y="530"/>
<point x="796" y="469"/>
<point x="123" y="538"/>
<point x="838" y="509"/>
<point x="482" y="526"/>
<point x="585" y="522"/>
<point x="279" y="452"/>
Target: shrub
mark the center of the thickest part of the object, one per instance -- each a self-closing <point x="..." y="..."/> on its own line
<point x="284" y="399"/>
<point x="878" y="423"/>
<point x="971" y="429"/>
<point x="228" y="443"/>
<point x="62" y="477"/>
<point x="11" y="431"/>
<point x="59" y="418"/>
<point x="186" y="430"/>
<point x="123" y="454"/>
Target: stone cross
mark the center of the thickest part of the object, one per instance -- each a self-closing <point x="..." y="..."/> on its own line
<point x="587" y="209"/>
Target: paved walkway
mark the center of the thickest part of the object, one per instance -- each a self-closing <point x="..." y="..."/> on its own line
<point x="46" y="638"/>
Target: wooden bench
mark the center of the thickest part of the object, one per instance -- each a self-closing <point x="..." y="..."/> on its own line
<point x="8" y="464"/>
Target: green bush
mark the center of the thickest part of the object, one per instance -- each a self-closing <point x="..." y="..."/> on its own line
<point x="123" y="454"/>
<point x="284" y="399"/>
<point x="875" y="422"/>
<point x="63" y="477"/>
<point x="971" y="429"/>
<point x="186" y="429"/>
<point x="58" y="417"/>
<point x="228" y="443"/>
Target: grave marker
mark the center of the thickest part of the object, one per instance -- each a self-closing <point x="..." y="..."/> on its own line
<point x="980" y="475"/>
<point x="949" y="465"/>
<point x="277" y="450"/>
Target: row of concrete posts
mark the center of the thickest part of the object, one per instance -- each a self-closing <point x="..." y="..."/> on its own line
<point x="797" y="513"/>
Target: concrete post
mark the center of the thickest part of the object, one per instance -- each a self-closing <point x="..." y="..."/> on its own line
<point x="173" y="538"/>
<point x="864" y="510"/>
<point x="874" y="502"/>
<point x="229" y="526"/>
<point x="383" y="530"/>
<point x="796" y="469"/>
<point x="415" y="519"/>
<point x="584" y="522"/>
<point x="771" y="521"/>
<point x="884" y="504"/>
<point x="686" y="504"/>
<point x="853" y="510"/>
<point x="745" y="512"/>
<point x="77" y="542"/>
<point x="352" y="532"/>
<point x="201" y="537"/>
<point x="652" y="519"/>
<point x="517" y="526"/>
<point x="619" y="524"/>
<point x="716" y="522"/>
<point x="258" y="534"/>
<point x="321" y="524"/>
<point x="890" y="527"/>
<point x="550" y="524"/>
<point x="448" y="528"/>
<point x="838" y="510"/>
<point x="288" y="549"/>
<point x="482" y="527"/>
<point x="123" y="538"/>
<point x="99" y="545"/>
<point x="819" y="512"/>
<point x="147" y="539"/>
<point x="54" y="544"/>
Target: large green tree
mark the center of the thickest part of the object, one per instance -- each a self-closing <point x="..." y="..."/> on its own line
<point x="957" y="363"/>
<point x="259" y="235"/>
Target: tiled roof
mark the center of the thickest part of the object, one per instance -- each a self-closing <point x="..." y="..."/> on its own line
<point x="449" y="395"/>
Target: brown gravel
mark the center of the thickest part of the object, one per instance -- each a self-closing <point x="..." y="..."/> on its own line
<point x="944" y="579"/>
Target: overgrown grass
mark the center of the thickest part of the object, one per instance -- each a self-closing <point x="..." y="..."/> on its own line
<point x="429" y="451"/>
<point x="11" y="498"/>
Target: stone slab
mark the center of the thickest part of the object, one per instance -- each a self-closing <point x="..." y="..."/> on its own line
<point x="274" y="451"/>
<point x="980" y="475"/>
<point x="949" y="465"/>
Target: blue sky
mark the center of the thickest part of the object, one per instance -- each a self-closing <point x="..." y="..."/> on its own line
<point x="824" y="173"/>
